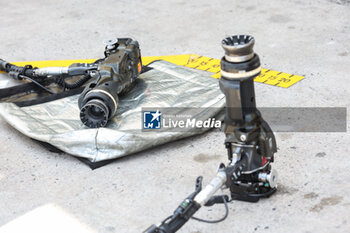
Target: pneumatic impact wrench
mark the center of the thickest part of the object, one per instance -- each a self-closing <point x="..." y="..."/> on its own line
<point x="250" y="142"/>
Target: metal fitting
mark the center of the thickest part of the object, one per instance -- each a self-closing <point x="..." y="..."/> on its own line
<point x="243" y="137"/>
<point x="3" y="64"/>
<point x="270" y="178"/>
<point x="50" y="71"/>
<point x="209" y="190"/>
<point x="110" y="44"/>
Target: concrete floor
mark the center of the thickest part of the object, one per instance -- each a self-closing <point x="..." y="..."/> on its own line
<point x="39" y="189"/>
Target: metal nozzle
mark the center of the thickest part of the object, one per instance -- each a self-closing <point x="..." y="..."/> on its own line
<point x="238" y="48"/>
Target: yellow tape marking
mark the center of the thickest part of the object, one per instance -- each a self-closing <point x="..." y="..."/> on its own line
<point x="270" y="77"/>
<point x="212" y="65"/>
<point x="42" y="64"/>
<point x="176" y="59"/>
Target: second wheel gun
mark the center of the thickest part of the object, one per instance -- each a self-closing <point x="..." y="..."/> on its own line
<point x="107" y="78"/>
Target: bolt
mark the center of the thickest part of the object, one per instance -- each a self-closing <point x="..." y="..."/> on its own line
<point x="243" y="137"/>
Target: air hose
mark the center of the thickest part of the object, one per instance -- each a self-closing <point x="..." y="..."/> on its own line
<point x="36" y="75"/>
<point x="62" y="82"/>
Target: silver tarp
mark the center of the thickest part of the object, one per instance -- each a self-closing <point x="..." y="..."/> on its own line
<point x="165" y="85"/>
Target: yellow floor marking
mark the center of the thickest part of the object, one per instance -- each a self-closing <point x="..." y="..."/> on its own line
<point x="41" y="64"/>
<point x="212" y="65"/>
<point x="176" y="59"/>
<point x="270" y="77"/>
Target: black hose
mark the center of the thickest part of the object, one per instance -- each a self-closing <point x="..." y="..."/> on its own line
<point x="37" y="83"/>
<point x="215" y="221"/>
<point x="62" y="82"/>
<point x="16" y="71"/>
<point x="26" y="72"/>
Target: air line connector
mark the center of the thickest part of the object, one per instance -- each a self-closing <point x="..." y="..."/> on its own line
<point x="3" y="65"/>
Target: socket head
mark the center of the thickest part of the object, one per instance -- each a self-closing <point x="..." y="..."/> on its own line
<point x="238" y="48"/>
